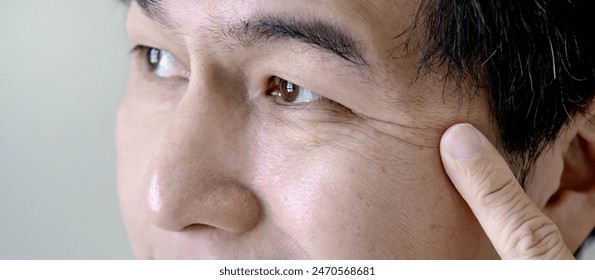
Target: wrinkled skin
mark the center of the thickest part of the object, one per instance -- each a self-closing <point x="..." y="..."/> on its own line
<point x="210" y="165"/>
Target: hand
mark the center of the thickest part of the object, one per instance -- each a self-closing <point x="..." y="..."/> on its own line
<point x="514" y="225"/>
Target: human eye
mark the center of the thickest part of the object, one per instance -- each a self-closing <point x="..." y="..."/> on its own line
<point x="289" y="93"/>
<point x="161" y="63"/>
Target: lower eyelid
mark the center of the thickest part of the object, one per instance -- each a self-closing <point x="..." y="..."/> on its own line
<point x="144" y="74"/>
<point x="320" y="103"/>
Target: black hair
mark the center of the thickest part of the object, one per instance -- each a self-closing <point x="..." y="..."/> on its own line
<point x="534" y="59"/>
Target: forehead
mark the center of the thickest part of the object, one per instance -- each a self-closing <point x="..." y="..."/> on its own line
<point x="375" y="13"/>
<point x="380" y="20"/>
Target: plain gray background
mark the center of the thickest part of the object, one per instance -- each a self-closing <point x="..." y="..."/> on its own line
<point x="63" y="66"/>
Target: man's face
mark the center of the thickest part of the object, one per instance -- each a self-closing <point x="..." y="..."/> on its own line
<point x="219" y="156"/>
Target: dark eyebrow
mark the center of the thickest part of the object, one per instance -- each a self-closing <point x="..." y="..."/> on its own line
<point x="323" y="35"/>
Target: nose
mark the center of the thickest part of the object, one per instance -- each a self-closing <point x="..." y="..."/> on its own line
<point x="193" y="177"/>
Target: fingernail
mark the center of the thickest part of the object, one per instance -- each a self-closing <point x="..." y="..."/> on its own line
<point x="464" y="142"/>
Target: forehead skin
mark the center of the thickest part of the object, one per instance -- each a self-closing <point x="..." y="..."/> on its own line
<point x="329" y="184"/>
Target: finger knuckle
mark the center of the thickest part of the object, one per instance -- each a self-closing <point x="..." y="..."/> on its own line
<point x="537" y="238"/>
<point x="496" y="188"/>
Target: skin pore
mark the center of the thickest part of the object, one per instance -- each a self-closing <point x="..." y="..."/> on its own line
<point x="220" y="157"/>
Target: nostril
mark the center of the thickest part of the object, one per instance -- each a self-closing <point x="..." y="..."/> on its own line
<point x="196" y="227"/>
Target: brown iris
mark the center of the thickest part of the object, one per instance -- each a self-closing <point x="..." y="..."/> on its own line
<point x="286" y="89"/>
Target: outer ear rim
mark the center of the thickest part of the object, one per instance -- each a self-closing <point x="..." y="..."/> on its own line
<point x="573" y="203"/>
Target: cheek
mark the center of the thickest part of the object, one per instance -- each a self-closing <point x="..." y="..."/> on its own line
<point x="396" y="202"/>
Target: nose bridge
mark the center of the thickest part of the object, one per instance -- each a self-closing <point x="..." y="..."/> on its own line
<point x="191" y="178"/>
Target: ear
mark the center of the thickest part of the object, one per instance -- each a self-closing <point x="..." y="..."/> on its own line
<point x="572" y="204"/>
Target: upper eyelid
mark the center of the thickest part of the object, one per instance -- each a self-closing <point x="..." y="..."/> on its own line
<point x="137" y="48"/>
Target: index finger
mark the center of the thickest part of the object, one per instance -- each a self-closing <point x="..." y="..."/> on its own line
<point x="512" y="222"/>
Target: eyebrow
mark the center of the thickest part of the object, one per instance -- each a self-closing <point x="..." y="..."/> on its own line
<point x="325" y="36"/>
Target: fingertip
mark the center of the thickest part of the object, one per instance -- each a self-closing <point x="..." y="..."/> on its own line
<point x="463" y="141"/>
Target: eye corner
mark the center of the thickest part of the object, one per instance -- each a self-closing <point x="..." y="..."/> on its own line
<point x="272" y="86"/>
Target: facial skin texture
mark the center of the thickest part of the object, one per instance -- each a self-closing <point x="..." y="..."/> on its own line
<point x="212" y="166"/>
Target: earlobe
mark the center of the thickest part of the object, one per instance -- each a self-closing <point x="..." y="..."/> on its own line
<point x="572" y="207"/>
